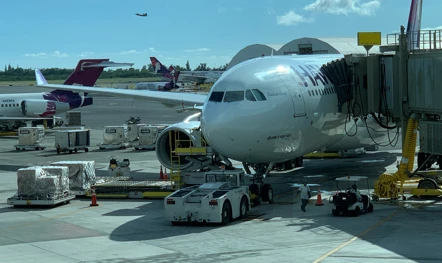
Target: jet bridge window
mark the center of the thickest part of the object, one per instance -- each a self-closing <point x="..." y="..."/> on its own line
<point x="249" y="95"/>
<point x="259" y="95"/>
<point x="232" y="96"/>
<point x="216" y="96"/>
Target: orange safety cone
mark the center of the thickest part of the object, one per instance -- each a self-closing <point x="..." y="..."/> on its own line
<point x="161" y="173"/>
<point x="319" y="198"/>
<point x="165" y="174"/>
<point x="94" y="197"/>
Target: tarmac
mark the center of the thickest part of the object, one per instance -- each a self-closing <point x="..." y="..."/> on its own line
<point x="133" y="230"/>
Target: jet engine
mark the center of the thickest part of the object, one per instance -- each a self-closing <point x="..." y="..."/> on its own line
<point x="187" y="136"/>
<point x="42" y="108"/>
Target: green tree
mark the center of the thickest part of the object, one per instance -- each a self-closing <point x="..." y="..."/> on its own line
<point x="188" y="66"/>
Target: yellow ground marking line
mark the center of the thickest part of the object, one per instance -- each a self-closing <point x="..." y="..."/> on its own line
<point x="336" y="249"/>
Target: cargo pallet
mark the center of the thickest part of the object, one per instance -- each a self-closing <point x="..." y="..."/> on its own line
<point x="30" y="147"/>
<point x="135" y="189"/>
<point x="17" y="200"/>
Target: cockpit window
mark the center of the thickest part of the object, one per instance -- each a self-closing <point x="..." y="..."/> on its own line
<point x="232" y="96"/>
<point x="249" y="95"/>
<point x="216" y="96"/>
<point x="259" y="95"/>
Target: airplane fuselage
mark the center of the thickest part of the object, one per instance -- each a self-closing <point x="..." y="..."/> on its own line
<point x="274" y="109"/>
<point x="27" y="106"/>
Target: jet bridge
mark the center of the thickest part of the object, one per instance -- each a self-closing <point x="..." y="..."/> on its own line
<point x="402" y="87"/>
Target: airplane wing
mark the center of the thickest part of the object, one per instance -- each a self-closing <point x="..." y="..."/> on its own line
<point x="170" y="98"/>
<point x="23" y="118"/>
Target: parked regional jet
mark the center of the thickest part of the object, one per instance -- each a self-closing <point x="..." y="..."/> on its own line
<point x="198" y="76"/>
<point x="267" y="110"/>
<point x="161" y="86"/>
<point x="17" y="108"/>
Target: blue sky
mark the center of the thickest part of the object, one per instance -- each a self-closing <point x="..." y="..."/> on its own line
<point x="54" y="33"/>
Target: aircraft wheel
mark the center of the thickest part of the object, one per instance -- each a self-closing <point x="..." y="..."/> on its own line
<point x="86" y="150"/>
<point x="226" y="213"/>
<point x="18" y="149"/>
<point x="370" y="208"/>
<point x="75" y="150"/>
<point x="70" y="151"/>
<point x="288" y="165"/>
<point x="267" y="193"/>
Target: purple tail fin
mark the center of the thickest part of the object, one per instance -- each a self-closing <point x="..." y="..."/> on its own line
<point x="414" y="24"/>
<point x="161" y="69"/>
<point x="86" y="76"/>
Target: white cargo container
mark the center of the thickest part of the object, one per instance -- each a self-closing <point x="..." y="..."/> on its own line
<point x="72" y="140"/>
<point x="30" y="138"/>
<point x="133" y="131"/>
<point x="114" y="137"/>
<point x="147" y="136"/>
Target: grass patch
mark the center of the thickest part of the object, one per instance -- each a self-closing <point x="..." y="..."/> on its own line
<point x="99" y="81"/>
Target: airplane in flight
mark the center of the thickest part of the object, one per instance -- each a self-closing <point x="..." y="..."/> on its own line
<point x="145" y="14"/>
<point x="267" y="110"/>
<point x="197" y="76"/>
<point x="16" y="109"/>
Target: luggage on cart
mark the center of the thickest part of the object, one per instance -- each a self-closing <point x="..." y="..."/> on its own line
<point x="72" y="140"/>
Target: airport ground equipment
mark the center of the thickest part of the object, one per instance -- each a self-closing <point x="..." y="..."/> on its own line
<point x="30" y="138"/>
<point x="115" y="137"/>
<point x="223" y="197"/>
<point x="147" y="136"/>
<point x="346" y="202"/>
<point x="134" y="189"/>
<point x="72" y="140"/>
<point x="117" y="169"/>
<point x="42" y="186"/>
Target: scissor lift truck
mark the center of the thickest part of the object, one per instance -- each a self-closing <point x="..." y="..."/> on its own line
<point x="223" y="197"/>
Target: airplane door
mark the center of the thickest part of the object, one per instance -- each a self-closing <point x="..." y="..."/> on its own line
<point x="295" y="94"/>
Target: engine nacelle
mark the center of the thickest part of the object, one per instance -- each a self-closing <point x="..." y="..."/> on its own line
<point x="187" y="137"/>
<point x="42" y="108"/>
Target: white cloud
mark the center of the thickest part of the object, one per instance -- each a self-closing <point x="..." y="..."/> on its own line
<point x="58" y="54"/>
<point x="197" y="50"/>
<point x="85" y="54"/>
<point x="128" y="52"/>
<point x="337" y="7"/>
<point x="41" y="54"/>
<point x="152" y="49"/>
<point x="432" y="28"/>
<point x="291" y="18"/>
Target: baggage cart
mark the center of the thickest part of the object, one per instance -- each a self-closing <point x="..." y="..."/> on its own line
<point x="30" y="138"/>
<point x="147" y="136"/>
<point x="114" y="137"/>
<point x="72" y="140"/>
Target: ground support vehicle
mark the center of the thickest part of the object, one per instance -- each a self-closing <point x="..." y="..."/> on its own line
<point x="117" y="168"/>
<point x="225" y="195"/>
<point x="133" y="189"/>
<point x="346" y="202"/>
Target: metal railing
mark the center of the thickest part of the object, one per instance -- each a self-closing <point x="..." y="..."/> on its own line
<point x="419" y="40"/>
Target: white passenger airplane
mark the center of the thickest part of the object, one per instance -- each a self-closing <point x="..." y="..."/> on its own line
<point x="18" y="108"/>
<point x="267" y="110"/>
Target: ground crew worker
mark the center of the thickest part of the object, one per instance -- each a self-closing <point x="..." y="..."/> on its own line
<point x="355" y="190"/>
<point x="305" y="195"/>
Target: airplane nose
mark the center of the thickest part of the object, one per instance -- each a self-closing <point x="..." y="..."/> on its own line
<point x="238" y="119"/>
